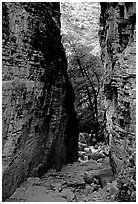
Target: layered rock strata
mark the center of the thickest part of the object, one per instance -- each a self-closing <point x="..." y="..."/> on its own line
<point x="118" y="43"/>
<point x="39" y="121"/>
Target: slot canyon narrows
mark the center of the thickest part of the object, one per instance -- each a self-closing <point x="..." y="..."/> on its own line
<point x="68" y="101"/>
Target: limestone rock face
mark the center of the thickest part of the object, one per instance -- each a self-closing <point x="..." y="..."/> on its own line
<point x="118" y="43"/>
<point x="39" y="121"/>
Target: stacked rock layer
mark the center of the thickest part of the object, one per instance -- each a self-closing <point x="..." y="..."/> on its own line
<point x="118" y="43"/>
<point x="39" y="121"/>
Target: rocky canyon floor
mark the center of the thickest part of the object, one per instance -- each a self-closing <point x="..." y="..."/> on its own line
<point x="89" y="179"/>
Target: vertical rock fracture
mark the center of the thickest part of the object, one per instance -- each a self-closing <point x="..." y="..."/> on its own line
<point x="39" y="120"/>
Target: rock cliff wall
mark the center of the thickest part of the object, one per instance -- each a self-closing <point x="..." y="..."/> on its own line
<point x="118" y="43"/>
<point x="39" y="121"/>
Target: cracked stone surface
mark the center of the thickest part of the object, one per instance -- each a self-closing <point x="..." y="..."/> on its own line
<point x="70" y="184"/>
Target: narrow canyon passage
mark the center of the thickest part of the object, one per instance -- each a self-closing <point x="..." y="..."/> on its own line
<point x="69" y="100"/>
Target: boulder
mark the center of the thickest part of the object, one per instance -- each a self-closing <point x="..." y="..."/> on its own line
<point x="96" y="155"/>
<point x="100" y="160"/>
<point x="86" y="158"/>
<point x="81" y="153"/>
<point x="87" y="150"/>
<point x="112" y="188"/>
<point x="81" y="146"/>
<point x="92" y="149"/>
<point x="104" y="176"/>
<point x="67" y="194"/>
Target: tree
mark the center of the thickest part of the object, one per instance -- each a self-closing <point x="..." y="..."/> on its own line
<point x="79" y="24"/>
<point x="85" y="72"/>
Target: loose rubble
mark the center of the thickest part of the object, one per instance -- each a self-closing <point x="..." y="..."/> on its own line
<point x="88" y="179"/>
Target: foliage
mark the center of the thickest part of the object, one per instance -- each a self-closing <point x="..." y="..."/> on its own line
<point x="85" y="71"/>
<point x="80" y="38"/>
<point x="80" y="21"/>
